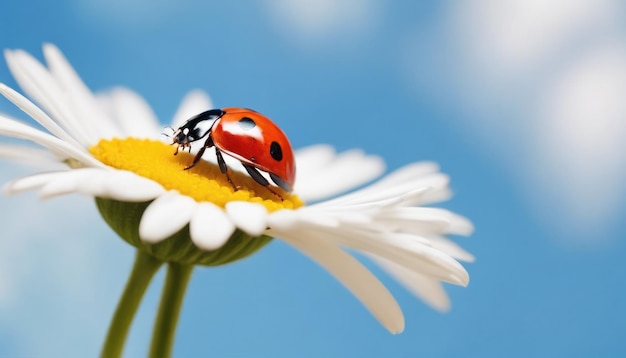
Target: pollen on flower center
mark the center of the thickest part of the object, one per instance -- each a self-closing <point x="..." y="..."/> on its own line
<point x="204" y="182"/>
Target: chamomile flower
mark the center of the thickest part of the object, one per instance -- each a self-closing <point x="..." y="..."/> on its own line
<point x="110" y="147"/>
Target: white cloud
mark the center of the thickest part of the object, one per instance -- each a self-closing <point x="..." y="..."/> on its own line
<point x="578" y="152"/>
<point x="512" y="38"/>
<point x="544" y="84"/>
<point x="320" y="21"/>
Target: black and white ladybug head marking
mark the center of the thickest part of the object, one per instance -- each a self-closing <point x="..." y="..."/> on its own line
<point x="196" y="128"/>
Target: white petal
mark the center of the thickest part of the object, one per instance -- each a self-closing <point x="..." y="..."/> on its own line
<point x="165" y="216"/>
<point x="210" y="227"/>
<point x="432" y="181"/>
<point x="411" y="192"/>
<point x="104" y="183"/>
<point x="419" y="220"/>
<point x="460" y="225"/>
<point x="251" y="218"/>
<point x="31" y="156"/>
<point x="409" y="173"/>
<point x="82" y="101"/>
<point x="354" y="276"/>
<point x="195" y="102"/>
<point x="282" y="219"/>
<point x="310" y="160"/>
<point x="435" y="196"/>
<point x="287" y="219"/>
<point x="349" y="170"/>
<point x="422" y="286"/>
<point x="451" y="248"/>
<point x="133" y="114"/>
<point x="416" y="175"/>
<point x="40" y="85"/>
<point x="68" y="182"/>
<point x="11" y="128"/>
<point x="403" y="180"/>
<point x="384" y="200"/>
<point x="127" y="186"/>
<point x="30" y="182"/>
<point x="37" y="114"/>
<point x="438" y="190"/>
<point x="89" y="181"/>
<point x="413" y="254"/>
<point x="404" y="249"/>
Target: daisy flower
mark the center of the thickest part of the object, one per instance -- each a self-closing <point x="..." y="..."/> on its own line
<point x="110" y="147"/>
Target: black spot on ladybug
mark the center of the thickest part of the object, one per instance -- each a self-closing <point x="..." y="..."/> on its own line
<point x="276" y="151"/>
<point x="246" y="123"/>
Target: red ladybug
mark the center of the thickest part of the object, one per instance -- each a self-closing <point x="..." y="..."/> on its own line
<point x="246" y="135"/>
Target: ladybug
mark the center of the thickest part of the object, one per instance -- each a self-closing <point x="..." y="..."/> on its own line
<point x="246" y="135"/>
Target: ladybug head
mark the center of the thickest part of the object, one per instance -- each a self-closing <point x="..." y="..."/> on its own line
<point x="183" y="137"/>
<point x="196" y="128"/>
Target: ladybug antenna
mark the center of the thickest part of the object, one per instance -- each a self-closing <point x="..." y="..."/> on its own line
<point x="169" y="135"/>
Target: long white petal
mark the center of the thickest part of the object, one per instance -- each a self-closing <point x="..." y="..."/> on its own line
<point x="54" y="183"/>
<point x="412" y="253"/>
<point x="95" y="182"/>
<point x="83" y="103"/>
<point x="424" y="221"/>
<point x="410" y="192"/>
<point x="385" y="200"/>
<point x="415" y="175"/>
<point x="30" y="182"/>
<point x="310" y="160"/>
<point x="287" y="219"/>
<point x="354" y="276"/>
<point x="125" y="186"/>
<point x="40" y="85"/>
<point x="31" y="156"/>
<point x="406" y="250"/>
<point x="450" y="248"/>
<point x="36" y="113"/>
<point x="251" y="218"/>
<point x="165" y="216"/>
<point x="422" y="286"/>
<point x="210" y="227"/>
<point x="195" y="102"/>
<point x="11" y="128"/>
<point x="346" y="171"/>
<point x="460" y="225"/>
<point x="69" y="181"/>
<point x="408" y="173"/>
<point x="133" y="114"/>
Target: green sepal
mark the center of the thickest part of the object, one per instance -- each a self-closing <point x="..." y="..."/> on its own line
<point x="124" y="217"/>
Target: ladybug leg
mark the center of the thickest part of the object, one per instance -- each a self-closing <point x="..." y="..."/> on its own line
<point x="254" y="173"/>
<point x="182" y="146"/>
<point x="224" y="168"/>
<point x="196" y="159"/>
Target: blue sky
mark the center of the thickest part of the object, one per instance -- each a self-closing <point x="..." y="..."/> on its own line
<point x="521" y="102"/>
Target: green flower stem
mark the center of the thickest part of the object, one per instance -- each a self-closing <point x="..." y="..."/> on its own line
<point x="169" y="309"/>
<point x="143" y="271"/>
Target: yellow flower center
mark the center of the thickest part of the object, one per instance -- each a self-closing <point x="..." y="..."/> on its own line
<point x="204" y="182"/>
